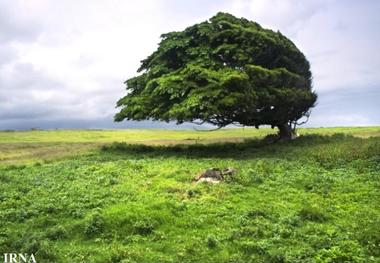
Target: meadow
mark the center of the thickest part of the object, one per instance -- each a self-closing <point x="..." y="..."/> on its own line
<point x="129" y="196"/>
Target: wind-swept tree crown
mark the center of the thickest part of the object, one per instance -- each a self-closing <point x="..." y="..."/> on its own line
<point x="222" y="71"/>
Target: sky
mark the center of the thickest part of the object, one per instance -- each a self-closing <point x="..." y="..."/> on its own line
<point x="63" y="63"/>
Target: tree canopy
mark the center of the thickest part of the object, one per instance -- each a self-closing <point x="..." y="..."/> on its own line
<point x="223" y="71"/>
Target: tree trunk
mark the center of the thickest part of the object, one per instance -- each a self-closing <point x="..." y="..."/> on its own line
<point x="286" y="132"/>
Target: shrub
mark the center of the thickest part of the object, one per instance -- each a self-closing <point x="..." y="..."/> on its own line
<point x="94" y="224"/>
<point x="144" y="227"/>
<point x="56" y="233"/>
<point x="251" y="247"/>
<point x="313" y="213"/>
<point x="256" y="178"/>
<point x="212" y="241"/>
<point x="344" y="251"/>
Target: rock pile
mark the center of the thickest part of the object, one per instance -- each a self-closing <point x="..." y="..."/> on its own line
<point x="214" y="175"/>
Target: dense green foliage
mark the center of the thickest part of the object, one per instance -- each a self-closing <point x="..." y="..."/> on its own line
<point x="222" y="71"/>
<point x="311" y="200"/>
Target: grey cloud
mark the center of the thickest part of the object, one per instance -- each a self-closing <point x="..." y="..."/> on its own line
<point x="28" y="94"/>
<point x="7" y="54"/>
<point x="323" y="54"/>
<point x="22" y="88"/>
<point x="99" y="123"/>
<point x="28" y="112"/>
<point x="180" y="9"/>
<point x="14" y="27"/>
<point x="81" y="87"/>
<point x="349" y="106"/>
<point x="24" y="77"/>
<point x="284" y="15"/>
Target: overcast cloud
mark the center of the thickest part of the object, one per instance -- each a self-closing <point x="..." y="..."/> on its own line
<point x="63" y="63"/>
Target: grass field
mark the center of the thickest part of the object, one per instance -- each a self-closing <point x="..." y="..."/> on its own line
<point x="129" y="196"/>
<point x="31" y="146"/>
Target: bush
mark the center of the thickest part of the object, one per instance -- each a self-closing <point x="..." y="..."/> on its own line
<point x="56" y="233"/>
<point x="94" y="224"/>
<point x="212" y="241"/>
<point x="313" y="213"/>
<point x="344" y="251"/>
<point x="144" y="227"/>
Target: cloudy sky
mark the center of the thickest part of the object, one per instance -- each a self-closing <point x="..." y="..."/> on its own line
<point x="63" y="63"/>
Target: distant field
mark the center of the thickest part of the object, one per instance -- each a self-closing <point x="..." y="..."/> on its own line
<point x="141" y="135"/>
<point x="129" y="196"/>
<point x="31" y="146"/>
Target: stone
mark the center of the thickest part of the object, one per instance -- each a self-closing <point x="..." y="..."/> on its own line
<point x="229" y="171"/>
<point x="209" y="180"/>
<point x="214" y="175"/>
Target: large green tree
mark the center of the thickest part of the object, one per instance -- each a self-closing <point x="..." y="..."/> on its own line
<point x="223" y="71"/>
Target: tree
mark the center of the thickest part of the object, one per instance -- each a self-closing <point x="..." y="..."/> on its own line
<point x="223" y="71"/>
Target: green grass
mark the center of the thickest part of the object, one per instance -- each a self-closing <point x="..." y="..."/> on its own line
<point x="109" y="198"/>
<point x="37" y="146"/>
<point x="139" y="135"/>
